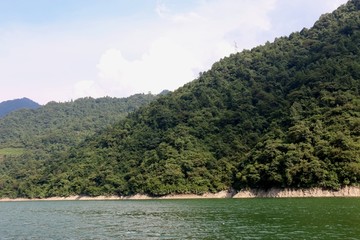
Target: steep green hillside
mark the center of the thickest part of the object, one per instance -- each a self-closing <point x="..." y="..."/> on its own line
<point x="286" y="114"/>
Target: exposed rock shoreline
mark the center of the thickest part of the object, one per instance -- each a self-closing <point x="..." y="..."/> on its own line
<point x="288" y="193"/>
<point x="251" y="193"/>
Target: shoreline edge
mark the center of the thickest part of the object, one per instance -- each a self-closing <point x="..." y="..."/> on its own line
<point x="247" y="193"/>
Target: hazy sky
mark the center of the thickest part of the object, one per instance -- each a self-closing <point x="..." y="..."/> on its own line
<point x="58" y="50"/>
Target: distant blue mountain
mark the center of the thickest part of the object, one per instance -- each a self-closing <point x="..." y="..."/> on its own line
<point x="16" y="104"/>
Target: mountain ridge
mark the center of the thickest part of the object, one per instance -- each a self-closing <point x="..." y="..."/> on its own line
<point x="56" y="120"/>
<point x="16" y="104"/>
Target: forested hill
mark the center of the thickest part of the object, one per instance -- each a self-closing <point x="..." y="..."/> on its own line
<point x="285" y="114"/>
<point x="32" y="139"/>
<point x="62" y="125"/>
<point x="12" y="105"/>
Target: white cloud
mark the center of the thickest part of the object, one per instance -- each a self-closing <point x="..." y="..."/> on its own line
<point x="190" y="43"/>
<point x="126" y="55"/>
<point x="87" y="88"/>
<point x="165" y="65"/>
<point x="161" y="9"/>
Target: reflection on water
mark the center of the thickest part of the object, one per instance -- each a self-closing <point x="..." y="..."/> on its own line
<point x="320" y="218"/>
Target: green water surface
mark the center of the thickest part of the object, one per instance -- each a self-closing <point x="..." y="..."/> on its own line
<point x="296" y="218"/>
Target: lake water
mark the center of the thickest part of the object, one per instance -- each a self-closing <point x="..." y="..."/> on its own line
<point x="296" y="218"/>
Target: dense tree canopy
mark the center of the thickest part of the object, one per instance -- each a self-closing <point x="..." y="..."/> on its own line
<point x="285" y="114"/>
<point x="31" y="139"/>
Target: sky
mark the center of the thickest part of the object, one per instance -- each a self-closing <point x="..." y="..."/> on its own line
<point x="61" y="50"/>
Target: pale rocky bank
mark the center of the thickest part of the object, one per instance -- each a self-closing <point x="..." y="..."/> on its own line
<point x="288" y="193"/>
<point x="250" y="193"/>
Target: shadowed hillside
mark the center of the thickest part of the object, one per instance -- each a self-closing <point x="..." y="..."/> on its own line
<point x="16" y="104"/>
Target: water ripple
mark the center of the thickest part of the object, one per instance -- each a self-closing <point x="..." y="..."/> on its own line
<point x="335" y="218"/>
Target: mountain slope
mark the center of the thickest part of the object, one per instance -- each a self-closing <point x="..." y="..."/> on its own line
<point x="31" y="139"/>
<point x="285" y="114"/>
<point x="16" y="104"/>
<point x="65" y="123"/>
